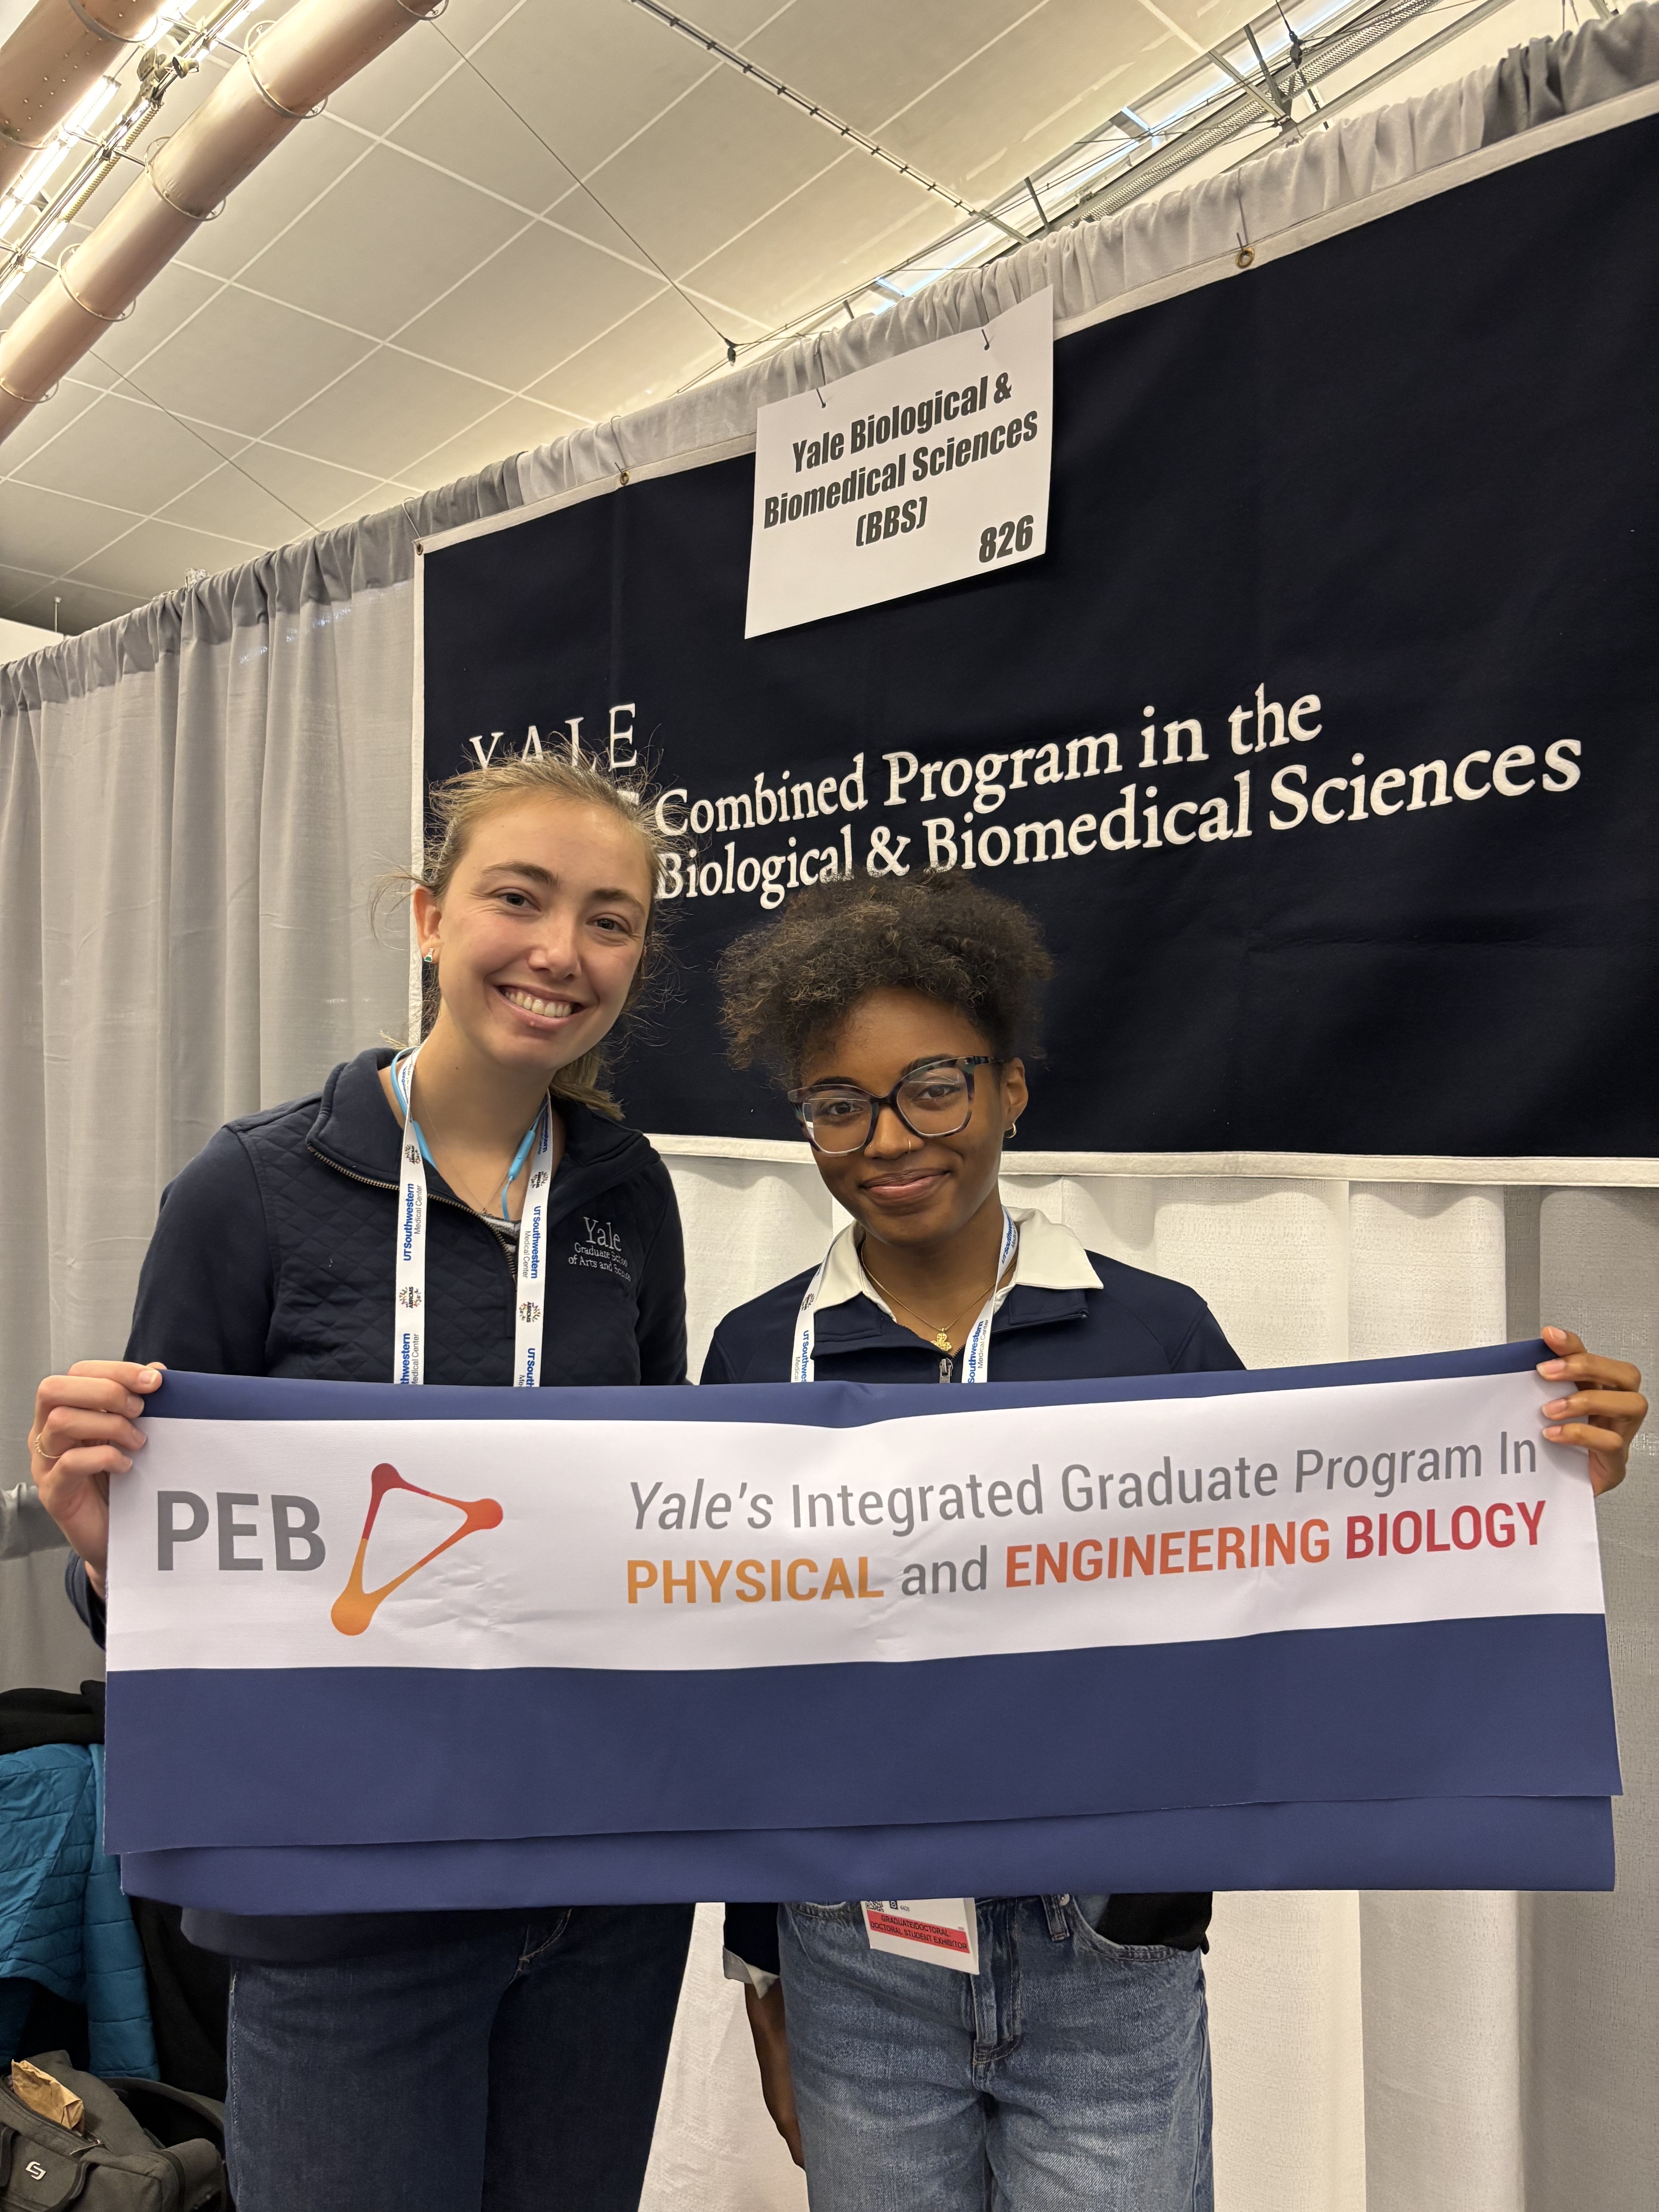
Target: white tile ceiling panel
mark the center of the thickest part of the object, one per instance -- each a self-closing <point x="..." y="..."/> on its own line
<point x="390" y="236"/>
<point x="591" y="75"/>
<point x="857" y="215"/>
<point x="83" y="606"/>
<point x="308" y="161"/>
<point x="310" y="493"/>
<point x="232" y="502"/>
<point x="161" y="309"/>
<point x="831" y="49"/>
<point x="464" y="128"/>
<point x="385" y="412"/>
<point x="151" y="547"/>
<point x="46" y="531"/>
<point x="410" y="70"/>
<point x="122" y="452"/>
<point x="735" y="149"/>
<point x="52" y="418"/>
<point x="511" y="428"/>
<point x="528" y="307"/>
<point x="664" y="344"/>
<point x="243" y="360"/>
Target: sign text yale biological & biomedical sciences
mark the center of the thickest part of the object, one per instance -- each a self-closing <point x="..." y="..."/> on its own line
<point x="876" y="479"/>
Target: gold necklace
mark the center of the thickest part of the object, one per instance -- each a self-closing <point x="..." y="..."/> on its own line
<point x="942" y="1330"/>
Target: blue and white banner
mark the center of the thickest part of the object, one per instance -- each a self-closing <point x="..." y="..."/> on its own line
<point x="371" y="1649"/>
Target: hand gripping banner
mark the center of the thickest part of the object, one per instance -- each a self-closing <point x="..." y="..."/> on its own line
<point x="1329" y="1626"/>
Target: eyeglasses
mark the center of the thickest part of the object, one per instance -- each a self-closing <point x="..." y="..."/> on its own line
<point x="935" y="1098"/>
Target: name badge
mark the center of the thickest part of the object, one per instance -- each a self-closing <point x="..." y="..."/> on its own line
<point x="940" y="1931"/>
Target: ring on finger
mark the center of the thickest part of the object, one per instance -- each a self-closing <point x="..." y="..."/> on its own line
<point x="51" y="1459"/>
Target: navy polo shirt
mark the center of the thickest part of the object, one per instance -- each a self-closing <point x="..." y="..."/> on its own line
<point x="1133" y="1324"/>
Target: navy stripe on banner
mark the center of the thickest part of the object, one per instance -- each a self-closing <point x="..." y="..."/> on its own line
<point x="1478" y="1842"/>
<point x="184" y="1397"/>
<point x="1517" y="1706"/>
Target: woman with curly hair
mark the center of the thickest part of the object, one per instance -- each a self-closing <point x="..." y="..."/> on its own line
<point x="1074" y="2068"/>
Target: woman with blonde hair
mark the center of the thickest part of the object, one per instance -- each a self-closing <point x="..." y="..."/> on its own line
<point x="434" y="2062"/>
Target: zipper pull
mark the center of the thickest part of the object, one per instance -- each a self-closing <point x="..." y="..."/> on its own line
<point x="946" y="1367"/>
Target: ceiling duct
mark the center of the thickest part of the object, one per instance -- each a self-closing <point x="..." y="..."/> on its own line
<point x="283" y="76"/>
<point x="51" y="61"/>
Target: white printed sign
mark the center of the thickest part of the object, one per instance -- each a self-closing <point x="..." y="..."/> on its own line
<point x="720" y="1544"/>
<point x="922" y="470"/>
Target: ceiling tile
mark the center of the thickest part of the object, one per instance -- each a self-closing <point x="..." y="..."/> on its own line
<point x="165" y="306"/>
<point x="378" y="500"/>
<point x="157" y="556"/>
<point x="840" y="230"/>
<point x="384" y="411"/>
<point x="52" y="418"/>
<point x="727" y="151"/>
<point x="317" y="489"/>
<point x="529" y="306"/>
<point x="662" y="344"/>
<point x="605" y="76"/>
<point x="75" y="606"/>
<point x="389" y="238"/>
<point x="468" y="127"/>
<point x="511" y="428"/>
<point x="234" y="502"/>
<point x="125" y="451"/>
<point x="48" y="532"/>
<point x="394" y="80"/>
<point x="247" y="362"/>
<point x="308" y="162"/>
<point x="826" y="52"/>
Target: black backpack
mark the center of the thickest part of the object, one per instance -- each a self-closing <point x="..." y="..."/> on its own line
<point x="112" y="2163"/>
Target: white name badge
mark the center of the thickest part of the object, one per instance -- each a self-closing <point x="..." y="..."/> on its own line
<point x="940" y="1931"/>
<point x="918" y="471"/>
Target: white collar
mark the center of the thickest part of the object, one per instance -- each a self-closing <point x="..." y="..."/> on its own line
<point x="1049" y="1258"/>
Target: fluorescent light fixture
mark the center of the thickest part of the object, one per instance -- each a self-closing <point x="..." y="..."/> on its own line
<point x="42" y="169"/>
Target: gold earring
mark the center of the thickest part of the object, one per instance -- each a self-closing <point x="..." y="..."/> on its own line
<point x="1011" y="1131"/>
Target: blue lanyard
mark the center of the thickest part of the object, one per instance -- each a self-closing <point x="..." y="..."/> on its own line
<point x="401" y="1087"/>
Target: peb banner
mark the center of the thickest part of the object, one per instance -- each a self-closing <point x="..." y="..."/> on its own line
<point x="1338" y="659"/>
<point x="1325" y="1627"/>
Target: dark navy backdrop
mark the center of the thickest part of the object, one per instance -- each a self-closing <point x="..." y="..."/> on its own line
<point x="1395" y="471"/>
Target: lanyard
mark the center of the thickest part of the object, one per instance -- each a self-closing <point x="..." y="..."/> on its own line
<point x="977" y="1354"/>
<point x="409" y="1321"/>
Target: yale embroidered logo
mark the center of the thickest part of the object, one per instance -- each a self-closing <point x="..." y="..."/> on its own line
<point x="356" y="1607"/>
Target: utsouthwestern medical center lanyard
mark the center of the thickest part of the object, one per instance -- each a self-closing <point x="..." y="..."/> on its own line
<point x="409" y="1320"/>
<point x="941" y="1931"/>
<point x="977" y="1352"/>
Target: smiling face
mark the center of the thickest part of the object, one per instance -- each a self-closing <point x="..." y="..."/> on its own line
<point x="539" y="932"/>
<point x="903" y="1189"/>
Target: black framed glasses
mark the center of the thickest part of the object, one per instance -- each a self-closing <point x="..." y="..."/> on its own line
<point x="935" y="1098"/>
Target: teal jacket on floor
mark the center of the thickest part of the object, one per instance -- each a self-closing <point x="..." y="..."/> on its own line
<point x="64" y="1921"/>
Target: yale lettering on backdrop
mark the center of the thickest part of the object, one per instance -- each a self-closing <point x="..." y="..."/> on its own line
<point x="920" y="469"/>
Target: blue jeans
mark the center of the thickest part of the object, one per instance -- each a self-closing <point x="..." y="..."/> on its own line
<point x="1070" y="2072"/>
<point x="515" y="2070"/>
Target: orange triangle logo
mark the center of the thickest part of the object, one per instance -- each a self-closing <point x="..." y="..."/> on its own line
<point x="356" y="1607"/>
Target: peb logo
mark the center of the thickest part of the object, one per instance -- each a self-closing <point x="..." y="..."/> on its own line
<point x="356" y="1607"/>
<point x="409" y="1296"/>
<point x="530" y="1310"/>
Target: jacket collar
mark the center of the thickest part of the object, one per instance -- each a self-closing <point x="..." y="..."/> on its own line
<point x="356" y="1131"/>
<point x="1052" y="1273"/>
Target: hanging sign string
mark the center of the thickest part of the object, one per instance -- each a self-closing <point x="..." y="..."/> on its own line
<point x="977" y="1354"/>
<point x="408" y="1319"/>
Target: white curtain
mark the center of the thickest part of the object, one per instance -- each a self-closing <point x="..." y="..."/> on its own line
<point x="194" y="803"/>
